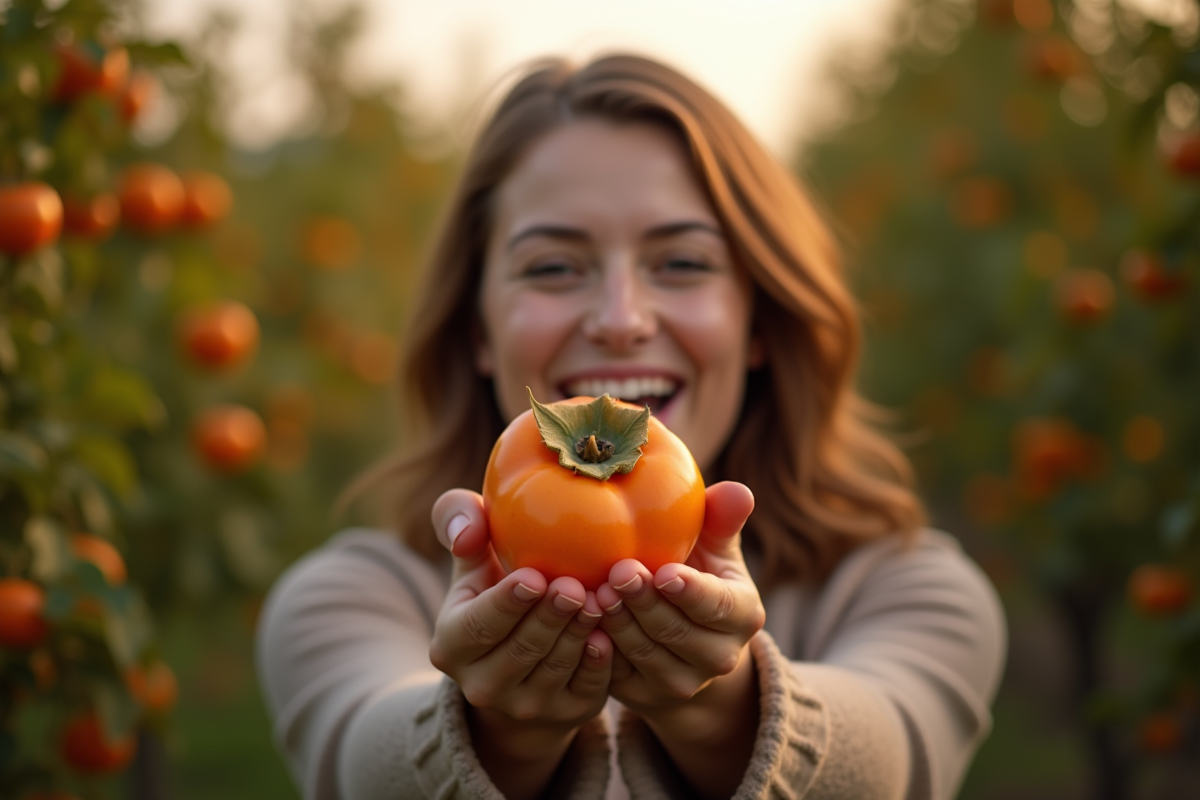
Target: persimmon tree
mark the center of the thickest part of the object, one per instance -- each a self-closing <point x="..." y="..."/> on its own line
<point x="1023" y="202"/>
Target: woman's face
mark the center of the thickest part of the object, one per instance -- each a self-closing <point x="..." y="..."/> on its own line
<point x="606" y="272"/>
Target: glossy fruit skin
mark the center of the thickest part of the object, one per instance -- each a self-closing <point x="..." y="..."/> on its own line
<point x="206" y="199"/>
<point x="1160" y="590"/>
<point x="229" y="438"/>
<point x="219" y="336"/>
<point x="86" y="747"/>
<point x="82" y="73"/>
<point x="21" y="622"/>
<point x="543" y="515"/>
<point x="93" y="219"/>
<point x="31" y="216"/>
<point x="151" y="198"/>
<point x="98" y="551"/>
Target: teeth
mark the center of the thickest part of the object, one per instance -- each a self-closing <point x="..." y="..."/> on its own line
<point x="623" y="388"/>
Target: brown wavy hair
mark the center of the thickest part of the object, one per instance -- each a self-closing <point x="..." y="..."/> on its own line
<point x="823" y="478"/>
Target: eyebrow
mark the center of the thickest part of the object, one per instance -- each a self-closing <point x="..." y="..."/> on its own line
<point x="579" y="235"/>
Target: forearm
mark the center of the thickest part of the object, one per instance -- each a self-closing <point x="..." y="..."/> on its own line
<point x="519" y="758"/>
<point x="710" y="739"/>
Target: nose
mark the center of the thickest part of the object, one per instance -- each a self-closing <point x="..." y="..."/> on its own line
<point x="621" y="314"/>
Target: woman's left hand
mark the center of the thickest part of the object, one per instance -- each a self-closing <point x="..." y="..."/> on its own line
<point x="678" y="630"/>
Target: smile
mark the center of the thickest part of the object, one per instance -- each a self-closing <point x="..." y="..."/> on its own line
<point x="655" y="391"/>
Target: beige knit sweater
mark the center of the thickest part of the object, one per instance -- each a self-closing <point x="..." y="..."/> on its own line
<point x="875" y="684"/>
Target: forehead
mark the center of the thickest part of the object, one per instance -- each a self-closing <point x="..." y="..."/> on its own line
<point x="600" y="169"/>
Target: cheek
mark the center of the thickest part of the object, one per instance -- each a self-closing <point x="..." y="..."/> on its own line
<point x="715" y="334"/>
<point x="523" y="338"/>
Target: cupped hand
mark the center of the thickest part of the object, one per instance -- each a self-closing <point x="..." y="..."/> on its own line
<point x="523" y="651"/>
<point x="681" y="628"/>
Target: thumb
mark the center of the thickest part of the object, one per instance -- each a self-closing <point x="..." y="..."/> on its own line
<point x="727" y="506"/>
<point x="461" y="526"/>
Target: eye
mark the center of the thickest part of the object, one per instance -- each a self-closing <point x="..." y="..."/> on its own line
<point x="549" y="269"/>
<point x="685" y="264"/>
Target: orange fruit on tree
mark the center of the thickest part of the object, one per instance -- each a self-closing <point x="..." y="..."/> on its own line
<point x="1143" y="271"/>
<point x="229" y="438"/>
<point x="219" y="336"/>
<point x="138" y="91"/>
<point x="206" y="198"/>
<point x="93" y="218"/>
<point x="98" y="551"/>
<point x="87" y="747"/>
<point x="1159" y="733"/>
<point x="154" y="686"/>
<point x="1160" y="589"/>
<point x="83" y="70"/>
<point x="151" y="198"/>
<point x="1183" y="155"/>
<point x="1084" y="296"/>
<point x="21" y="620"/>
<point x="31" y="216"/>
<point x="1054" y="59"/>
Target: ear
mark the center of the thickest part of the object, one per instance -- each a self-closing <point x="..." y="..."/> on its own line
<point x="485" y="364"/>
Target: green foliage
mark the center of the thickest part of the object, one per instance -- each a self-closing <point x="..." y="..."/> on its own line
<point x="1027" y="244"/>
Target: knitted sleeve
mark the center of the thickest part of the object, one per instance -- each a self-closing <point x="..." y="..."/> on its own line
<point x="888" y="699"/>
<point x="357" y="709"/>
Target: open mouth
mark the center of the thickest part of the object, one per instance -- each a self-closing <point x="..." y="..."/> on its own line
<point x="655" y="391"/>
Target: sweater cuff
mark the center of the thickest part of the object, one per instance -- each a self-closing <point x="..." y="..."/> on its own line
<point x="789" y="746"/>
<point x="441" y="728"/>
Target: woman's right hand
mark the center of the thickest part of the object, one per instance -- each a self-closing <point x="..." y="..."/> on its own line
<point x="528" y="655"/>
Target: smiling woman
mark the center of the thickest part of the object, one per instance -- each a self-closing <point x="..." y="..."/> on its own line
<point x="616" y="230"/>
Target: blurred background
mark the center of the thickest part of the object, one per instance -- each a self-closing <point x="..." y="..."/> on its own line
<point x="211" y="215"/>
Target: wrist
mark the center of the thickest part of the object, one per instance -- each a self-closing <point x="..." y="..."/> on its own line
<point x="519" y="740"/>
<point x="728" y="704"/>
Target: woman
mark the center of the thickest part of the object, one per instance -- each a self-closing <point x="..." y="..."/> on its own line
<point x="617" y="230"/>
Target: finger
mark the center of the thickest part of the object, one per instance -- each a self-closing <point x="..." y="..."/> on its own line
<point x="474" y="623"/>
<point x="728" y="605"/>
<point x="727" y="506"/>
<point x="595" y="671"/>
<point x="630" y="638"/>
<point x="622" y="670"/>
<point x="533" y="638"/>
<point x="460" y="524"/>
<point x="554" y="671"/>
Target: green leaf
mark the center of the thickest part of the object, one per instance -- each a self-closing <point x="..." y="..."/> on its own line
<point x="123" y="399"/>
<point x="21" y="455"/>
<point x="598" y="439"/>
<point x="109" y="460"/>
<point x="45" y="539"/>
<point x="1178" y="522"/>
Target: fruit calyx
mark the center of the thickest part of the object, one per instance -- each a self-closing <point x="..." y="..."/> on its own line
<point x="598" y="439"/>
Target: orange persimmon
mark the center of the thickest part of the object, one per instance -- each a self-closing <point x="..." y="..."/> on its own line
<point x="87" y="747"/>
<point x="21" y="620"/>
<point x="617" y="484"/>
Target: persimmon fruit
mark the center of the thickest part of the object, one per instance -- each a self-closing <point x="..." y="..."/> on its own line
<point x="151" y="196"/>
<point x="87" y="748"/>
<point x="1183" y="156"/>
<point x="206" y="199"/>
<point x="92" y="219"/>
<point x="219" y="336"/>
<point x="1084" y="296"/>
<point x="137" y="93"/>
<point x="1145" y="274"/>
<point x="573" y="487"/>
<point x="21" y="621"/>
<point x="229" y="438"/>
<point x="1160" y="589"/>
<point x="100" y="552"/>
<point x="31" y="216"/>
<point x="82" y="71"/>
<point x="154" y="686"/>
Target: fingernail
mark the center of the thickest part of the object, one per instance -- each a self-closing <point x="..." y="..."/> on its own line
<point x="631" y="586"/>
<point x="587" y="616"/>
<point x="593" y="651"/>
<point x="525" y="594"/>
<point x="566" y="605"/>
<point x="673" y="586"/>
<point x="456" y="527"/>
<point x="615" y="607"/>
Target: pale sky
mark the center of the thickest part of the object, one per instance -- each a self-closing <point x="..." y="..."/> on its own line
<point x="762" y="57"/>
